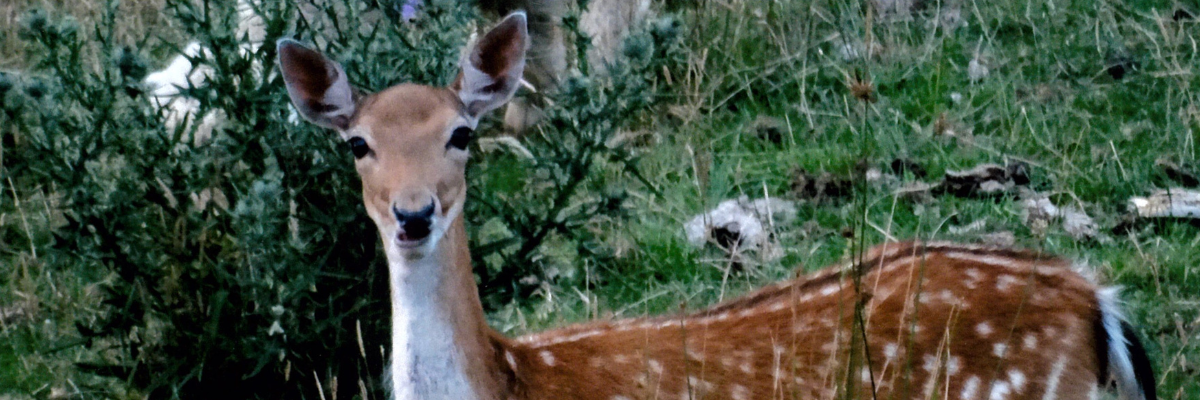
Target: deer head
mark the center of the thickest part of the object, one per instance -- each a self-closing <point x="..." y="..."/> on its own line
<point x="410" y="141"/>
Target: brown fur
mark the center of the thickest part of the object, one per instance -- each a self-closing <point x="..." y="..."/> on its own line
<point x="743" y="353"/>
<point x="412" y="134"/>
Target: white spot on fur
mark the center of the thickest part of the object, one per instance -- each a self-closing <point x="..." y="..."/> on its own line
<point x="547" y="357"/>
<point x="695" y="355"/>
<point x="545" y="340"/>
<point x="952" y="366"/>
<point x="828" y="290"/>
<point x="739" y="392"/>
<point x="1029" y="342"/>
<point x="900" y="262"/>
<point x="746" y="367"/>
<point x="655" y="366"/>
<point x="667" y="324"/>
<point x="512" y="360"/>
<point x="1017" y="378"/>
<point x="891" y="250"/>
<point x="1000" y="391"/>
<point x="777" y="307"/>
<point x="889" y="351"/>
<point x="973" y="275"/>
<point x="999" y="349"/>
<point x="931" y="362"/>
<point x="969" y="388"/>
<point x="620" y="358"/>
<point x="1004" y="281"/>
<point x="982" y="259"/>
<point x="983" y="329"/>
<point x="807" y="297"/>
<point x="619" y="397"/>
<point x="1052" y="380"/>
<point x="699" y="386"/>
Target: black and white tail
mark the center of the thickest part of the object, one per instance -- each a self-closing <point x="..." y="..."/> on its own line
<point x="1127" y="360"/>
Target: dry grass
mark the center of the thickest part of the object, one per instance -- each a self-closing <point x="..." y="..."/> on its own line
<point x="138" y="21"/>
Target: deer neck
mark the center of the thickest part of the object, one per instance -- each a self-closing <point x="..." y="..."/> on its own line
<point x="442" y="347"/>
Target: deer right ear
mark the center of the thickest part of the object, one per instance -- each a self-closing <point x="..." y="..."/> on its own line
<point x="492" y="66"/>
<point x="317" y="85"/>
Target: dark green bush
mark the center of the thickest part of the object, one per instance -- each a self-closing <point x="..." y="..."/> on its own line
<point x="244" y="266"/>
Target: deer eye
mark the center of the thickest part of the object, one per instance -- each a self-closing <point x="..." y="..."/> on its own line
<point x="359" y="147"/>
<point x="460" y="138"/>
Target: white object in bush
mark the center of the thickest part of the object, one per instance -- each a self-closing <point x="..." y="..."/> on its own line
<point x="750" y="220"/>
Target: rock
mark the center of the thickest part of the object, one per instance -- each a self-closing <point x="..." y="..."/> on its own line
<point x="820" y="186"/>
<point x="1177" y="173"/>
<point x="921" y="192"/>
<point x="985" y="180"/>
<point x="901" y="165"/>
<point x="1182" y="14"/>
<point x="1118" y="64"/>
<point x="1078" y="224"/>
<point x="976" y="70"/>
<point x="769" y="129"/>
<point x="1170" y="203"/>
<point x="1039" y="213"/>
<point x="739" y="224"/>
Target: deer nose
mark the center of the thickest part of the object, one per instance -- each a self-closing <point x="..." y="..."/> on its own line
<point x="414" y="225"/>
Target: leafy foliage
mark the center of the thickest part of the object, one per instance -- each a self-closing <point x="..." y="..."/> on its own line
<point x="243" y="265"/>
<point x="585" y="133"/>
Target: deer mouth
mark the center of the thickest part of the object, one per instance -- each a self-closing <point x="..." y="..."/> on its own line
<point x="406" y="241"/>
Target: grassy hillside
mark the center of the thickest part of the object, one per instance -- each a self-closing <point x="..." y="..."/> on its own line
<point x="1095" y="99"/>
<point x="769" y="99"/>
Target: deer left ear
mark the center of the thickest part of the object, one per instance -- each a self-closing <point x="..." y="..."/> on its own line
<point x="492" y="67"/>
<point x="317" y="85"/>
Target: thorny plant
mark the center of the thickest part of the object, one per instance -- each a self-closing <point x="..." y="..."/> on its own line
<point x="243" y="266"/>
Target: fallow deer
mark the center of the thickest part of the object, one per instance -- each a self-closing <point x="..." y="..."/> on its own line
<point x="938" y="320"/>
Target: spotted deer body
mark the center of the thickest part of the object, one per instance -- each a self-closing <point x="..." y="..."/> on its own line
<point x="942" y="321"/>
<point x="939" y="320"/>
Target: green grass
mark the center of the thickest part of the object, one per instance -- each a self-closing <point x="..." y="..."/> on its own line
<point x="1092" y="142"/>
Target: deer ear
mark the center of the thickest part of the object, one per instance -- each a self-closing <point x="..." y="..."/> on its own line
<point x="492" y="66"/>
<point x="317" y="85"/>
